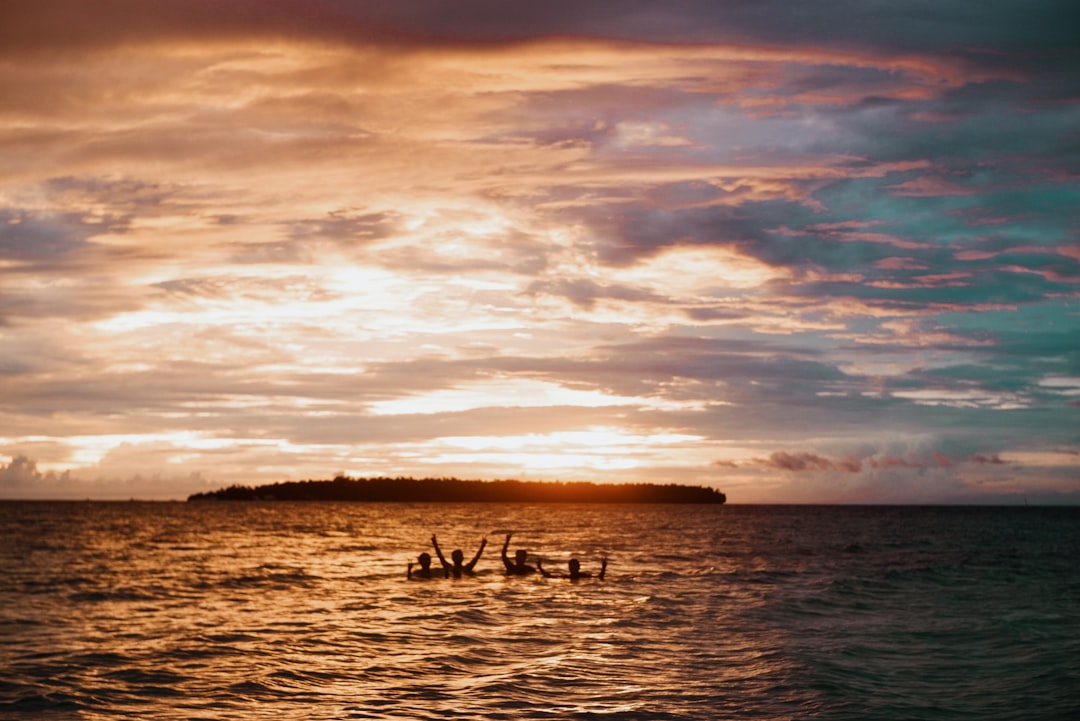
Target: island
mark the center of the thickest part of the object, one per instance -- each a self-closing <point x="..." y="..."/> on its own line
<point x="432" y="490"/>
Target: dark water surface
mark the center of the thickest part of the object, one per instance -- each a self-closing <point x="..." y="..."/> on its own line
<point x="303" y="611"/>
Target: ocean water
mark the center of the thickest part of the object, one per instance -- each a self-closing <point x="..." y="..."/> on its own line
<point x="304" y="611"/>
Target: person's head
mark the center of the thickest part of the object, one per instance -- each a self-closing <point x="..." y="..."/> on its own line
<point x="425" y="560"/>
<point x="520" y="555"/>
<point x="575" y="566"/>
<point x="457" y="556"/>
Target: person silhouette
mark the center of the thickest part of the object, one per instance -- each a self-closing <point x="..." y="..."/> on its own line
<point x="517" y="567"/>
<point x="425" y="567"/>
<point x="457" y="568"/>
<point x="575" y="572"/>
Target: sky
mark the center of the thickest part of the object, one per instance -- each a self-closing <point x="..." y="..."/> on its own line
<point x="803" y="252"/>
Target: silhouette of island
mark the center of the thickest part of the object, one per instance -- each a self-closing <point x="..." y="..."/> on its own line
<point x="344" y="488"/>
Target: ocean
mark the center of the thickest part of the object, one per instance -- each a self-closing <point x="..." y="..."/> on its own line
<point x="276" y="610"/>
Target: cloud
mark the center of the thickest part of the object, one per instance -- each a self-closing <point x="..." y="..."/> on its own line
<point x="921" y="475"/>
<point x="233" y="235"/>
<point x="20" y="478"/>
<point x="20" y="473"/>
<point x="811" y="462"/>
<point x="805" y="461"/>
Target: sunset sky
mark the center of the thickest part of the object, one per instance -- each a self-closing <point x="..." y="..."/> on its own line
<point x="797" y="251"/>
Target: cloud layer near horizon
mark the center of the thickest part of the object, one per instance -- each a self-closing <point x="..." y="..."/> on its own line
<point x="816" y="254"/>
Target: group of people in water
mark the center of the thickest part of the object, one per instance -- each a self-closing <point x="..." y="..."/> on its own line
<point x="517" y="566"/>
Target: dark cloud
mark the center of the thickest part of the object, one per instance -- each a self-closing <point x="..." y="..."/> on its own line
<point x="805" y="461"/>
<point x="1031" y="31"/>
<point x="811" y="462"/>
<point x="63" y="237"/>
<point x="627" y="233"/>
<point x="44" y="239"/>
<point x="1020" y="29"/>
<point x="583" y="292"/>
<point x="69" y="25"/>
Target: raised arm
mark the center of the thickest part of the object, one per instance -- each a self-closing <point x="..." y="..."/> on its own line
<point x="603" y="568"/>
<point x="408" y="573"/>
<point x="472" y="564"/>
<point x="438" y="551"/>
<point x="505" y="559"/>
<point x="540" y="568"/>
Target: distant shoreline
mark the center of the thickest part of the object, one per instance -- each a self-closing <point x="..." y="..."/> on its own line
<point x="434" y="490"/>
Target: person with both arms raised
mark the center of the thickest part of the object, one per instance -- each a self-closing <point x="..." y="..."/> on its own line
<point x="457" y="568"/>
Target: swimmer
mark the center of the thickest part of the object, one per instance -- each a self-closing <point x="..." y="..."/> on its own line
<point x="457" y="568"/>
<point x="425" y="567"/>
<point x="517" y="567"/>
<point x="575" y="573"/>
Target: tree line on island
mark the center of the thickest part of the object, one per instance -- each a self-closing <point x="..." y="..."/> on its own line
<point x="344" y="488"/>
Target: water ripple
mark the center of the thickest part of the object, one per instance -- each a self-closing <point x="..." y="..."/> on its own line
<point x="303" y="611"/>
